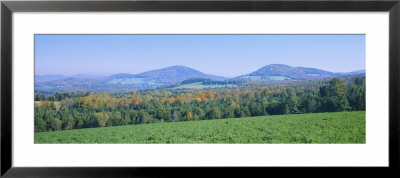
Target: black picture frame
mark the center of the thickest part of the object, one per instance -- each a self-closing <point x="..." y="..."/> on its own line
<point x="8" y="7"/>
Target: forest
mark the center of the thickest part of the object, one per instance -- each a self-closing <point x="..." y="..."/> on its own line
<point x="85" y="109"/>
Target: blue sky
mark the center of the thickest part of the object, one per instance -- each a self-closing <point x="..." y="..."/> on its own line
<point x="224" y="55"/>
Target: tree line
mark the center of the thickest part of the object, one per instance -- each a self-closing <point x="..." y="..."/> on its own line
<point x="75" y="110"/>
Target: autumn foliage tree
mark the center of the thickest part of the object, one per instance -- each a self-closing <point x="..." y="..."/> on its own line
<point x="75" y="110"/>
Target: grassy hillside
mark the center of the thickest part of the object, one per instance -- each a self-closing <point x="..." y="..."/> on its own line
<point x="339" y="127"/>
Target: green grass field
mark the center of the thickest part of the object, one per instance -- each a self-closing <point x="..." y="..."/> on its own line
<point x="339" y="127"/>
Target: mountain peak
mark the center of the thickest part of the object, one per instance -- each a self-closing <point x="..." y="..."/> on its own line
<point x="277" y="65"/>
<point x="272" y="71"/>
<point x="177" y="67"/>
<point x="276" y="70"/>
<point x="173" y="74"/>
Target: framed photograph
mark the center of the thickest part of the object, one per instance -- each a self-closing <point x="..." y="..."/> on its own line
<point x="141" y="88"/>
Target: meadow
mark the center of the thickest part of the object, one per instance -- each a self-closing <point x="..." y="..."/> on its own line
<point x="334" y="127"/>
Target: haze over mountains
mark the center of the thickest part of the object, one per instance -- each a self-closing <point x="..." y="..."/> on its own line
<point x="274" y="72"/>
<point x="45" y="78"/>
<point x="172" y="75"/>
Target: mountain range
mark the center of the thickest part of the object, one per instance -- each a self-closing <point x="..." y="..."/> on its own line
<point x="172" y="75"/>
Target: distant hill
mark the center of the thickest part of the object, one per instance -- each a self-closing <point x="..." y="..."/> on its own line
<point x="45" y="78"/>
<point x="177" y="76"/>
<point x="274" y="72"/>
<point x="89" y="75"/>
<point x="124" y="81"/>
<point x="355" y="72"/>
<point x="168" y="75"/>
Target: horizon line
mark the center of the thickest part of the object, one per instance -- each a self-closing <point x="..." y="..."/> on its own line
<point x="110" y="74"/>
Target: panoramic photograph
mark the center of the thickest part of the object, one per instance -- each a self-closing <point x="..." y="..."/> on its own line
<point x="200" y="89"/>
